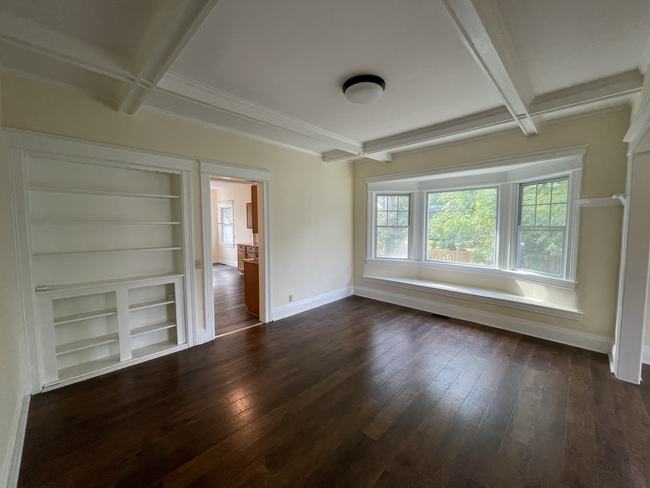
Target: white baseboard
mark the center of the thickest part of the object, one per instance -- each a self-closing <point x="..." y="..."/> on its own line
<point x="646" y="354"/>
<point x="201" y="336"/>
<point x="227" y="263"/>
<point x="307" y="304"/>
<point x="582" y="340"/>
<point x="16" y="441"/>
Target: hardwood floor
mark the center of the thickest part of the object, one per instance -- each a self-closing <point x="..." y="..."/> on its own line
<point x="357" y="393"/>
<point x="230" y="313"/>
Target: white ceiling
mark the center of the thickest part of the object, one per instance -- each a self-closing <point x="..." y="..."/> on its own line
<point x="273" y="71"/>
<point x="294" y="55"/>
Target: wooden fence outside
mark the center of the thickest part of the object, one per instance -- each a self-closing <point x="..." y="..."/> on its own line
<point x="452" y="256"/>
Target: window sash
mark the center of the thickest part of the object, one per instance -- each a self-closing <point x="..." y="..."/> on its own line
<point x="222" y="227"/>
<point x="548" y="228"/>
<point x="376" y="227"/>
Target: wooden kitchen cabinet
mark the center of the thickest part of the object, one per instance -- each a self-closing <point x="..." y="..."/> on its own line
<point x="252" y="286"/>
<point x="249" y="215"/>
<point x="245" y="252"/>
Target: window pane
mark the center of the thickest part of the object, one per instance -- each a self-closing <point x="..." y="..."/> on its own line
<point x="543" y="214"/>
<point x="392" y="242"/>
<point x="558" y="214"/>
<point x="403" y="203"/>
<point x="392" y="218"/>
<point x="462" y="226"/>
<point x="560" y="191"/>
<point x="381" y="203"/>
<point x="541" y="250"/>
<point x="226" y="215"/>
<point x="530" y="192"/>
<point x="543" y="193"/>
<point x="381" y="218"/>
<point x="528" y="215"/>
<point x="392" y="203"/>
<point x="227" y="233"/>
<point x="403" y="219"/>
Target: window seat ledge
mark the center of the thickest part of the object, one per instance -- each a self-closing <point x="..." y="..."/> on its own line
<point x="479" y="295"/>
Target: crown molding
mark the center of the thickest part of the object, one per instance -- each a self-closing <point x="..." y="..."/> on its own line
<point x="638" y="135"/>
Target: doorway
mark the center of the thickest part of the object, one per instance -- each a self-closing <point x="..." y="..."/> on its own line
<point x="261" y="178"/>
<point x="235" y="254"/>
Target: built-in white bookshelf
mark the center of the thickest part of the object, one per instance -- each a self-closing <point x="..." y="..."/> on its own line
<point x="107" y="259"/>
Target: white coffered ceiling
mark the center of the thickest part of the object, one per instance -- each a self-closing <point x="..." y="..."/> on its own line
<point x="273" y="71"/>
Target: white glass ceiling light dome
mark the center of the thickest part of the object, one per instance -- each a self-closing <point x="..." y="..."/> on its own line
<point x="364" y="89"/>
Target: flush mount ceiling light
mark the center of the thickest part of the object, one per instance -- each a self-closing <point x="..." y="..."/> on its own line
<point x="364" y="89"/>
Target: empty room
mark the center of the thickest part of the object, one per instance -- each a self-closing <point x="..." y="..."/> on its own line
<point x="302" y="243"/>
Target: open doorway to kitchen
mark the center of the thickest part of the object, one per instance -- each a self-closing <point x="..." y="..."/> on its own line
<point x="235" y="212"/>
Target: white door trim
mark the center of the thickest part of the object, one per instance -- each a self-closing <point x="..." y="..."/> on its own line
<point x="220" y="170"/>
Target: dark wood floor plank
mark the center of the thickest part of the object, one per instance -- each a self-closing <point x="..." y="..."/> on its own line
<point x="354" y="393"/>
<point x="580" y="438"/>
<point x="547" y="454"/>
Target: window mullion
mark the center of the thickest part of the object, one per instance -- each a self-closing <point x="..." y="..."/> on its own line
<point x="416" y="235"/>
<point x="506" y="222"/>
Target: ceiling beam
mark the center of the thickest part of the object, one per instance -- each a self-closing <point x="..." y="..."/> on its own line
<point x="604" y="93"/>
<point x="487" y="39"/>
<point x="171" y="29"/>
<point x="338" y="155"/>
<point x="626" y="83"/>
<point x="206" y="96"/>
<point x="430" y="133"/>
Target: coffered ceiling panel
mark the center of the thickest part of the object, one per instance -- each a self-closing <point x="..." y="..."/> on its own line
<point x="293" y="56"/>
<point x="563" y="43"/>
<point x="117" y="25"/>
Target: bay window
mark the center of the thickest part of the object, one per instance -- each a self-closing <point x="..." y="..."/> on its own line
<point x="517" y="219"/>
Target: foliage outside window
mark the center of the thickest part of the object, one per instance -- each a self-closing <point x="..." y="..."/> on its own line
<point x="226" y="232"/>
<point x="462" y="226"/>
<point x="392" y="224"/>
<point x="542" y="226"/>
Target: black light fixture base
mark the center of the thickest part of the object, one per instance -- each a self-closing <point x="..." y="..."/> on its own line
<point x="364" y="79"/>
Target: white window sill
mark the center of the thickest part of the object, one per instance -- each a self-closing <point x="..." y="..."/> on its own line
<point x="468" y="268"/>
<point x="479" y="295"/>
<point x="226" y="244"/>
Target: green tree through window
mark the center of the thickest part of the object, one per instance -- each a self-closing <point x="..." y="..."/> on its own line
<point x="462" y="226"/>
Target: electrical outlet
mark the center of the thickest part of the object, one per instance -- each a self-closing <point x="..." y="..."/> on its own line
<point x="197" y="264"/>
<point x="291" y="298"/>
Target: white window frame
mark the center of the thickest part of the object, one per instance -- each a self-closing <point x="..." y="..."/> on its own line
<point x="221" y="206"/>
<point x="506" y="175"/>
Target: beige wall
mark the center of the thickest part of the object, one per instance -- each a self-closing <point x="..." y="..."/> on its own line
<point x="13" y="368"/>
<point x="239" y="195"/>
<point x="311" y="221"/>
<point x="603" y="175"/>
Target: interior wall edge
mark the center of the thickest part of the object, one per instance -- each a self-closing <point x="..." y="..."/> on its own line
<point x="16" y="443"/>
